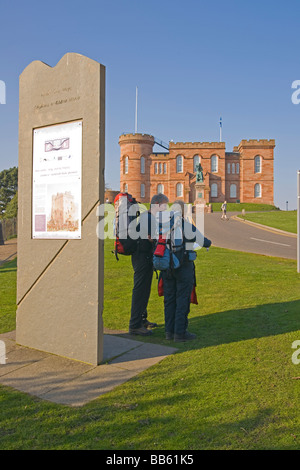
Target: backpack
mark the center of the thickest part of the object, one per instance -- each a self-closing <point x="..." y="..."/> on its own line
<point x="126" y="211"/>
<point x="160" y="288"/>
<point x="170" y="246"/>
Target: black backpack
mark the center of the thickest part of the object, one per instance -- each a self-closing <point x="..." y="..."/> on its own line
<point x="126" y="211"/>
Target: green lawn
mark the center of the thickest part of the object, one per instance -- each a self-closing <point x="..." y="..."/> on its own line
<point x="233" y="207"/>
<point x="8" y="296"/>
<point x="238" y="207"/>
<point x="283" y="220"/>
<point x="232" y="388"/>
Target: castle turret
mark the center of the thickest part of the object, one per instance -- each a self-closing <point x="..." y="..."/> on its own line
<point x="135" y="164"/>
<point x="257" y="171"/>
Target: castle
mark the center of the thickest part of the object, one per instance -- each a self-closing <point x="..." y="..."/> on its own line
<point x="244" y="175"/>
<point x="64" y="212"/>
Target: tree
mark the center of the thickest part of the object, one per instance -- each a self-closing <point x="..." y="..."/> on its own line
<point x="12" y="207"/>
<point x="8" y="187"/>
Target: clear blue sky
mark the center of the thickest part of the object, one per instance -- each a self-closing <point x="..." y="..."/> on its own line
<point x="193" y="61"/>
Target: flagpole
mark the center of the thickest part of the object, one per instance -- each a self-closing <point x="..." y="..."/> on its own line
<point x="136" y="108"/>
<point x="220" y="129"/>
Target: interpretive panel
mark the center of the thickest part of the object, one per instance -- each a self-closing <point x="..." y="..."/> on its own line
<point x="56" y="185"/>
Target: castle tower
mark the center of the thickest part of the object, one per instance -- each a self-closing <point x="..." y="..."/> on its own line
<point x="257" y="171"/>
<point x="135" y="163"/>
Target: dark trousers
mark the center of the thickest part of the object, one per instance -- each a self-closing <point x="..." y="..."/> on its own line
<point x="178" y="285"/>
<point x="143" y="273"/>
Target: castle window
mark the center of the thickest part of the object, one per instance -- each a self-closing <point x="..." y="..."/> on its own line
<point x="179" y="190"/>
<point x="125" y="188"/>
<point x="142" y="190"/>
<point x="160" y="189"/>
<point x="257" y="190"/>
<point x="233" y="190"/>
<point x="126" y="165"/>
<point x="214" y="190"/>
<point x="156" y="168"/>
<point x="233" y="168"/>
<point x="165" y="168"/>
<point x="257" y="164"/>
<point x="214" y="164"/>
<point x="160" y="168"/>
<point x="142" y="165"/>
<point x="228" y="168"/>
<point x="196" y="162"/>
<point x="237" y="168"/>
<point x="179" y="164"/>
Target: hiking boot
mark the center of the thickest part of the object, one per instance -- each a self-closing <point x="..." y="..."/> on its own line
<point x="187" y="336"/>
<point x="169" y="336"/>
<point x="149" y="324"/>
<point x="140" y="331"/>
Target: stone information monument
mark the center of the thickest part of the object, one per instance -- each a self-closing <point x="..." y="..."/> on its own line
<point x="61" y="185"/>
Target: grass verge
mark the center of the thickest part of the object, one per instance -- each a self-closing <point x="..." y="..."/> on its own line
<point x="238" y="207"/>
<point x="8" y="276"/>
<point x="282" y="220"/>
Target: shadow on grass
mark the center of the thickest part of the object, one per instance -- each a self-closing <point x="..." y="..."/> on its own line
<point x="11" y="270"/>
<point x="8" y="266"/>
<point x="125" y="422"/>
<point x="244" y="324"/>
<point x="238" y="325"/>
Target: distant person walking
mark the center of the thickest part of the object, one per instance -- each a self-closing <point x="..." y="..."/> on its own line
<point x="224" y="210"/>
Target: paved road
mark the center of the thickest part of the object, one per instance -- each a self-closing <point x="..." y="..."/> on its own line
<point x="241" y="236"/>
<point x="232" y="234"/>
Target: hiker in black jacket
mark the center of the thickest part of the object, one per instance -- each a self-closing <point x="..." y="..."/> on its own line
<point x="142" y="263"/>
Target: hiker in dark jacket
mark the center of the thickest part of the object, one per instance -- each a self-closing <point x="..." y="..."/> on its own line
<point x="178" y="285"/>
<point x="142" y="263"/>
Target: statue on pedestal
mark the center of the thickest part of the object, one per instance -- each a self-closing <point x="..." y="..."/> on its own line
<point x="199" y="173"/>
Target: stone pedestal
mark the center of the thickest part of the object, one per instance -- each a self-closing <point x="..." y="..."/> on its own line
<point x="201" y="196"/>
<point x="200" y="193"/>
<point x="61" y="184"/>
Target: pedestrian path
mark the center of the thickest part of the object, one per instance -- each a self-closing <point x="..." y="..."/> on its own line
<point x="8" y="251"/>
<point x="68" y="382"/>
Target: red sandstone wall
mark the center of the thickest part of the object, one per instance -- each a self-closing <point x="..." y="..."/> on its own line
<point x="188" y="177"/>
<point x="248" y="151"/>
<point x="233" y="160"/>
